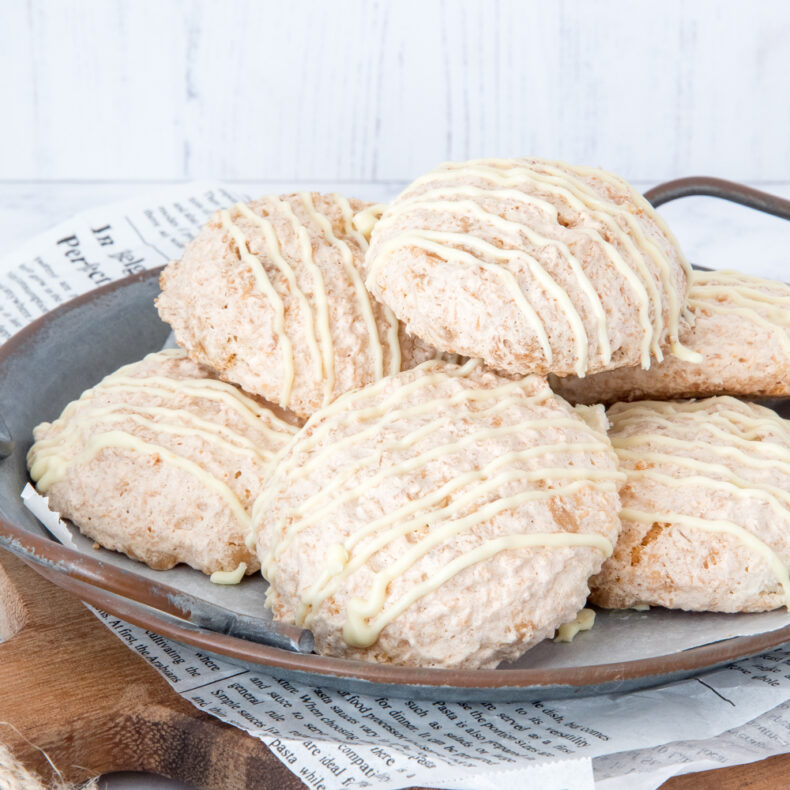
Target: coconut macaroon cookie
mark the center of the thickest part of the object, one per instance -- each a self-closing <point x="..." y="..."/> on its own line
<point x="706" y="507"/>
<point x="161" y="462"/>
<point x="443" y="517"/>
<point x="270" y="294"/>
<point x="533" y="266"/>
<point x="741" y="331"/>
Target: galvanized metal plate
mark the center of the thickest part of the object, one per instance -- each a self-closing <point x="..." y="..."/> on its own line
<point x="54" y="359"/>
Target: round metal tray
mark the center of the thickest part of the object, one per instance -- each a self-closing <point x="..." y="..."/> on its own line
<point x="58" y="356"/>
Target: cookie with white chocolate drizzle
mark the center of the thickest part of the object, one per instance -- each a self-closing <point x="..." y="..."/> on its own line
<point x="706" y="507"/>
<point x="270" y="295"/>
<point x="441" y="517"/>
<point x="162" y="461"/>
<point x="533" y="266"/>
<point x="741" y="331"/>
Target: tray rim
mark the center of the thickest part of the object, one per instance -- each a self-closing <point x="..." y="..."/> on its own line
<point x="159" y="607"/>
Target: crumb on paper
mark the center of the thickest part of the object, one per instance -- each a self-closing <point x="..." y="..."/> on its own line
<point x="583" y="621"/>
<point x="229" y="577"/>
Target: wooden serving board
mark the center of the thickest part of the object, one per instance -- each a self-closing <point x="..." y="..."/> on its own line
<point x="112" y="712"/>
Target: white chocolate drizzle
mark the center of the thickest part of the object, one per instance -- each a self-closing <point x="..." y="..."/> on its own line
<point x="49" y="466"/>
<point x="366" y="619"/>
<point x="313" y="306"/>
<point x="500" y="399"/>
<point x="380" y="415"/>
<point x="365" y="220"/>
<point x="745" y="440"/>
<point x="273" y="253"/>
<point x="758" y="288"/>
<point x="590" y="198"/>
<point x="454" y="508"/>
<point x="748" y="539"/>
<point x="736" y="435"/>
<point x="51" y="458"/>
<point x="726" y="292"/>
<point x="265" y="285"/>
<point x="622" y="231"/>
<point x="362" y="296"/>
<point x="438" y="535"/>
<point x="178" y="422"/>
<point x="432" y="372"/>
<point x="253" y="413"/>
<point x="226" y="394"/>
<point x="393" y="331"/>
<point x="321" y="320"/>
<point x="310" y="513"/>
<point x="453" y="240"/>
<point x="751" y="414"/>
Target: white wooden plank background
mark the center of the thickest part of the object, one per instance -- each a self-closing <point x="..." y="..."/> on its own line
<point x="358" y="90"/>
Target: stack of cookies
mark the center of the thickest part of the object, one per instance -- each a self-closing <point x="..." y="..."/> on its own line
<point x="397" y="413"/>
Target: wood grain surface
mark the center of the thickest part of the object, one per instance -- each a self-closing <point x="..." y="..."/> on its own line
<point x="114" y="714"/>
<point x="118" y="714"/>
<point x="377" y="91"/>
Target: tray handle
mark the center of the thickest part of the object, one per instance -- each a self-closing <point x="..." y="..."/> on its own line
<point x="719" y="188"/>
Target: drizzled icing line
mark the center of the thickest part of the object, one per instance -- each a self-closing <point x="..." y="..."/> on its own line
<point x="245" y="407"/>
<point x="429" y="372"/>
<point x="745" y="422"/>
<point x="366" y="618"/>
<point x="229" y="577"/>
<point x="743" y="430"/>
<point x="48" y="467"/>
<point x="265" y="286"/>
<point x="430" y="242"/>
<point x="451" y="527"/>
<point x="274" y="254"/>
<point x="253" y="413"/>
<point x="307" y="518"/>
<point x="731" y="293"/>
<point x="551" y="178"/>
<point x="507" y="396"/>
<point x="745" y="437"/>
<point x="365" y="220"/>
<point x="211" y="432"/>
<point x="321" y="320"/>
<point x="762" y="549"/>
<point x="362" y="296"/>
<point x="758" y="288"/>
<point x="294" y="468"/>
<point x="453" y="240"/>
<point x="49" y="459"/>
<point x="315" y="309"/>
<point x="363" y="239"/>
